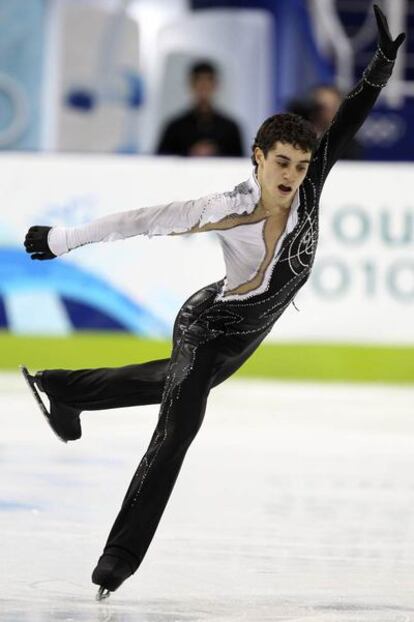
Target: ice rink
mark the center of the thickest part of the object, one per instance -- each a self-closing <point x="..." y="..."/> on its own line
<point x="295" y="502"/>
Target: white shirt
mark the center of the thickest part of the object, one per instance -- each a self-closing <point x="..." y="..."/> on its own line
<point x="243" y="245"/>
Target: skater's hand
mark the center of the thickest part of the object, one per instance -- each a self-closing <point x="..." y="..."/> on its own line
<point x="36" y="243"/>
<point x="386" y="43"/>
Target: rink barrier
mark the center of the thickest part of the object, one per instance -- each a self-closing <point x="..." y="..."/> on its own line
<point x="361" y="290"/>
<point x="324" y="362"/>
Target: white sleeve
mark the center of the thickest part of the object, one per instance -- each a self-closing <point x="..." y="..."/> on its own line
<point x="177" y="217"/>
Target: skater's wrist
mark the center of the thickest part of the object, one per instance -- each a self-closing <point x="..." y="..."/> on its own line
<point x="57" y="241"/>
<point x="379" y="69"/>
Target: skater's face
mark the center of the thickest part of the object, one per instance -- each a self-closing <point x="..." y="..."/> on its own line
<point x="281" y="171"/>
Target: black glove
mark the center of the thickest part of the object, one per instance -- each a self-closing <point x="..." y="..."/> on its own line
<point x="386" y="43"/>
<point x="36" y="243"/>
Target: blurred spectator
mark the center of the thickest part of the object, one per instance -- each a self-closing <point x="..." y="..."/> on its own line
<point x="320" y="108"/>
<point x="202" y="130"/>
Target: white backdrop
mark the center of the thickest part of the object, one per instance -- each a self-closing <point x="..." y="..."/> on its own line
<point x="362" y="286"/>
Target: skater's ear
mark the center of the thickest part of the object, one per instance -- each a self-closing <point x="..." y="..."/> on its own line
<point x="259" y="156"/>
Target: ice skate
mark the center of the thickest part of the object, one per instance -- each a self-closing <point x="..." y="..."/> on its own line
<point x="64" y="420"/>
<point x="102" y="594"/>
<point x="109" y="574"/>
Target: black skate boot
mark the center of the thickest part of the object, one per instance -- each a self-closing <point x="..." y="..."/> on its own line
<point x="64" y="420"/>
<point x="109" y="574"/>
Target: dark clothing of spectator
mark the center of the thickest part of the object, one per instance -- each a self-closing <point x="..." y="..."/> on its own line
<point x="182" y="133"/>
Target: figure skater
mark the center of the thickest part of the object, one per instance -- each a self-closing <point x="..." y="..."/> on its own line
<point x="268" y="229"/>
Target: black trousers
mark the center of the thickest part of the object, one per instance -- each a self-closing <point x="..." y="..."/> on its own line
<point x="203" y="355"/>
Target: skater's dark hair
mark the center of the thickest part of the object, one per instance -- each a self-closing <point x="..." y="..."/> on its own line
<point x="288" y="128"/>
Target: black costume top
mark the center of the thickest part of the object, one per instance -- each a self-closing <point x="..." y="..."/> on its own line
<point x="184" y="131"/>
<point x="239" y="308"/>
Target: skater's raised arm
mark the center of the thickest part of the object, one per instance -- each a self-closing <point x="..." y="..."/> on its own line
<point x="359" y="102"/>
<point x="203" y="214"/>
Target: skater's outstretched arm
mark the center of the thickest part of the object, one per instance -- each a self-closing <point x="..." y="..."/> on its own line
<point x="205" y="214"/>
<point x="358" y="103"/>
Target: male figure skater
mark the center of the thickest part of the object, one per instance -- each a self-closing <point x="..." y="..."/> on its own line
<point x="268" y="228"/>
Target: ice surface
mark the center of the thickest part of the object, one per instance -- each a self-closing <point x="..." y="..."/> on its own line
<point x="295" y="502"/>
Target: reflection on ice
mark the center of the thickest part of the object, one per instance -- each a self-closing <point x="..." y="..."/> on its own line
<point x="294" y="503"/>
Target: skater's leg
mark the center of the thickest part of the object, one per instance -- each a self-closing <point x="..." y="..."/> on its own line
<point x="131" y="385"/>
<point x="107" y="387"/>
<point x="227" y="365"/>
<point x="71" y="392"/>
<point x="182" y="411"/>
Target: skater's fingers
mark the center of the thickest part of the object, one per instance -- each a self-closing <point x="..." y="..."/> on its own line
<point x="382" y="23"/>
<point x="37" y="232"/>
<point x="34" y="235"/>
<point x="43" y="256"/>
<point x="399" y="40"/>
<point x="31" y="245"/>
<point x="29" y="239"/>
<point x="36" y="243"/>
<point x="31" y="242"/>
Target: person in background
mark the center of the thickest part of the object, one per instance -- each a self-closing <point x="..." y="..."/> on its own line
<point x="320" y="107"/>
<point x="325" y="100"/>
<point x="202" y="130"/>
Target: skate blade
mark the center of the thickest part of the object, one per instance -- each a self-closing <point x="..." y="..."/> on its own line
<point x="31" y="384"/>
<point x="102" y="593"/>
